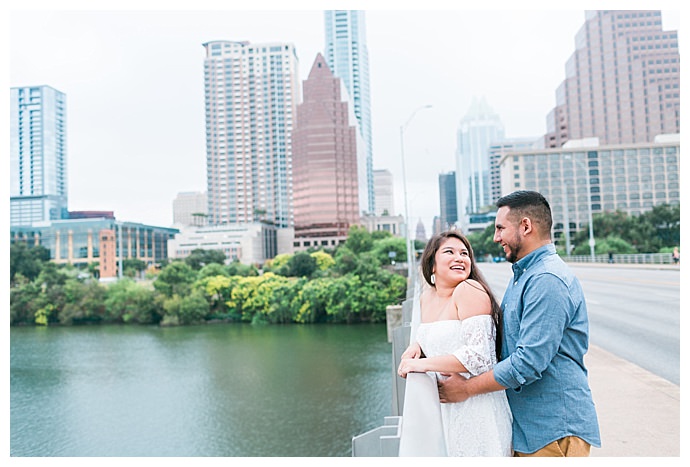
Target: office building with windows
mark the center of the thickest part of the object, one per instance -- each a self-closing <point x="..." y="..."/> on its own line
<point x="347" y="56"/>
<point x="632" y="178"/>
<point x="497" y="151"/>
<point x="190" y="208"/>
<point x="104" y="240"/>
<point x="250" y="244"/>
<point x="478" y="130"/>
<point x="622" y="83"/>
<point x="38" y="155"/>
<point x="251" y="93"/>
<point x="383" y="192"/>
<point x="326" y="175"/>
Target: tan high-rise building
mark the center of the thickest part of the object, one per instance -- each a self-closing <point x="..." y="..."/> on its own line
<point x="383" y="192"/>
<point x="622" y="82"/>
<point x="325" y="161"/>
<point x="190" y="208"/>
<point x="252" y="92"/>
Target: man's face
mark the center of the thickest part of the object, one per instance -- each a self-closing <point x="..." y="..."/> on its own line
<point x="507" y="234"/>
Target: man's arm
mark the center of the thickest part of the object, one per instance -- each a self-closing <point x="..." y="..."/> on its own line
<point x="457" y="388"/>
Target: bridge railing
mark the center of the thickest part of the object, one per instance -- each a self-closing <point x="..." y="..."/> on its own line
<point x="638" y="258"/>
<point x="415" y="428"/>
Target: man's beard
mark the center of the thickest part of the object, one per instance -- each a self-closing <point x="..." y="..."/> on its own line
<point x="514" y="250"/>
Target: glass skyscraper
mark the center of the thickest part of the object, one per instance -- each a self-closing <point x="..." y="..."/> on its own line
<point x="478" y="130"/>
<point x="252" y="92"/>
<point x="347" y="56"/>
<point x="448" y="200"/>
<point x="38" y="155"/>
<point x="325" y="169"/>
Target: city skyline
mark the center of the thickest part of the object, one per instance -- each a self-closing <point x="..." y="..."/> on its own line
<point x="147" y="64"/>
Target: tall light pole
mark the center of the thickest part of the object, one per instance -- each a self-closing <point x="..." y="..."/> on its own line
<point x="408" y="238"/>
<point x="589" y="208"/>
<point x="567" y="218"/>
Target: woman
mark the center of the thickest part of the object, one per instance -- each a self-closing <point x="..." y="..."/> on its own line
<point x="460" y="332"/>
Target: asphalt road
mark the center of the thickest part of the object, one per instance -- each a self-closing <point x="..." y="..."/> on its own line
<point x="634" y="311"/>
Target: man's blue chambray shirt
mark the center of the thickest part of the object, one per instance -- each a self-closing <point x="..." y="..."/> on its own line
<point x="545" y="338"/>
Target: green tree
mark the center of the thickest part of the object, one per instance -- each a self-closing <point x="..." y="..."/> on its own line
<point x="276" y="295"/>
<point x="279" y="264"/>
<point x="26" y="298"/>
<point x="240" y="302"/>
<point x="128" y="302"/>
<point x="359" y="239"/>
<point x="613" y="244"/>
<point x="324" y="261"/>
<point x="383" y="247"/>
<point x="176" y="278"/>
<point x="84" y="302"/>
<point x="483" y="243"/>
<point x="238" y="269"/>
<point x="27" y="261"/>
<point x="309" y="304"/>
<point x="218" y="291"/>
<point x="648" y="232"/>
<point x="52" y="280"/>
<point x="199" y="257"/>
<point x="189" y="309"/>
<point x="343" y="304"/>
<point x="380" y="235"/>
<point x="665" y="218"/>
<point x="302" y="264"/>
<point x="213" y="269"/>
<point x="132" y="266"/>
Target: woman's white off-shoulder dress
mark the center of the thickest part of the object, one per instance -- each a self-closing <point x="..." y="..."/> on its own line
<point x="481" y="425"/>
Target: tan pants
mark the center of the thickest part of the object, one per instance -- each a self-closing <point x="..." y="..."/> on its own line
<point x="570" y="446"/>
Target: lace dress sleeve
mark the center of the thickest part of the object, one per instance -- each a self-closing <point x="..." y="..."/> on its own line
<point x="478" y="352"/>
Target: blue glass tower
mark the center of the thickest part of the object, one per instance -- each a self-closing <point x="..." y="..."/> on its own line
<point x="478" y="130"/>
<point x="347" y="56"/>
<point x="38" y="155"/>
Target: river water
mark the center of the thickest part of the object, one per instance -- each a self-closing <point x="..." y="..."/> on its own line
<point x="213" y="390"/>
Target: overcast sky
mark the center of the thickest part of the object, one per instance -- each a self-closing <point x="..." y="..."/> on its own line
<point x="133" y="76"/>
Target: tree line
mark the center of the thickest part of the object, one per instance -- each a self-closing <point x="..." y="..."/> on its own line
<point x="654" y="231"/>
<point x="349" y="284"/>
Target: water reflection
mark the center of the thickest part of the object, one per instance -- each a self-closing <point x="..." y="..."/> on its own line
<point x="219" y="390"/>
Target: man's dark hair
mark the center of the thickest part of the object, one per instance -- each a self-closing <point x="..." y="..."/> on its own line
<point x="531" y="204"/>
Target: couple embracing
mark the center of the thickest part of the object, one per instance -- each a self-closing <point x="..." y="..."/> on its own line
<point x="512" y="378"/>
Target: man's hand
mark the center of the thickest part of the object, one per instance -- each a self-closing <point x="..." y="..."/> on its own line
<point x="453" y="389"/>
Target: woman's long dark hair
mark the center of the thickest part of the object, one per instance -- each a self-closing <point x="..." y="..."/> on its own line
<point x="428" y="261"/>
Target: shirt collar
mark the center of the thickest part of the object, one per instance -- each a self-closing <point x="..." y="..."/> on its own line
<point x="523" y="264"/>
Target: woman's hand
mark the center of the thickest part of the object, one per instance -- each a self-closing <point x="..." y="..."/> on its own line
<point x="413" y="351"/>
<point x="410" y="365"/>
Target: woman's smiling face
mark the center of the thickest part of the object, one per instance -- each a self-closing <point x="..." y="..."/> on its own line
<point x="452" y="262"/>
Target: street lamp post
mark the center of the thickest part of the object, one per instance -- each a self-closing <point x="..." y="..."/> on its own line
<point x="408" y="238"/>
<point x="589" y="209"/>
<point x="567" y="218"/>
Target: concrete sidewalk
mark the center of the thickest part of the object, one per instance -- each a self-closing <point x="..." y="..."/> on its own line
<point x="639" y="412"/>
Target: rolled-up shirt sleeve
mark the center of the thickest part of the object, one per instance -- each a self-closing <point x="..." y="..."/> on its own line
<point x="478" y="354"/>
<point x="546" y="309"/>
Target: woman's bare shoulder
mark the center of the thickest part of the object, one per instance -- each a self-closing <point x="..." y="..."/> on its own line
<point x="471" y="299"/>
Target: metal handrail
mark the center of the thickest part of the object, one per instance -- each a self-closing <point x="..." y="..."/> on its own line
<point x="619" y="258"/>
<point x="416" y="427"/>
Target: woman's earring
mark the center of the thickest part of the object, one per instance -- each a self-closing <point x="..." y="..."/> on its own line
<point x="433" y="279"/>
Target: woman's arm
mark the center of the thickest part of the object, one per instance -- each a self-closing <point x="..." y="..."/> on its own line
<point x="443" y="363"/>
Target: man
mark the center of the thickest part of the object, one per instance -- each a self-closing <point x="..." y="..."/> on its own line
<point x="545" y="338"/>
